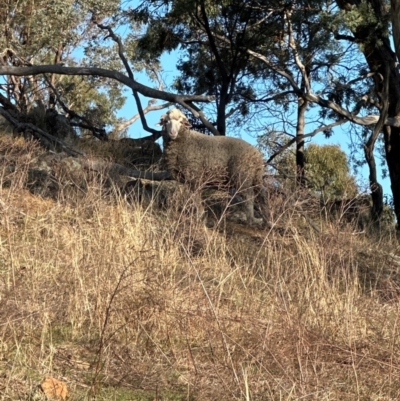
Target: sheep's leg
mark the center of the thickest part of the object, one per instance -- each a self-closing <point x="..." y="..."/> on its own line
<point x="196" y="204"/>
<point x="249" y="196"/>
<point x="199" y="207"/>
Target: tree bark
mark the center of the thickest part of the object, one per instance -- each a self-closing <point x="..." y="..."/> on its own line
<point x="376" y="188"/>
<point x="382" y="60"/>
<point x="301" y="111"/>
<point x="395" y="14"/>
<point x="221" y="115"/>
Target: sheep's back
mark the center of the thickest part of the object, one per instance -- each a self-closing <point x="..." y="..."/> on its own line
<point x="193" y="155"/>
<point x="246" y="164"/>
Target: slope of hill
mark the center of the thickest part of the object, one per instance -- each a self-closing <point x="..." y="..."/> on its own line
<point x="125" y="300"/>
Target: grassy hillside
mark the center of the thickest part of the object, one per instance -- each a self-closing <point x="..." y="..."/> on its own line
<point x="124" y="301"/>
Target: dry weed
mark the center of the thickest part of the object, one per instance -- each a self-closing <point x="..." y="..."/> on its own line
<point x="129" y="302"/>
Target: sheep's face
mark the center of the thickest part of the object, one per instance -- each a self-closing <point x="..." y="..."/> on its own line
<point x="173" y="126"/>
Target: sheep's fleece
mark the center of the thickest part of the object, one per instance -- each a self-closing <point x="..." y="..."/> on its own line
<point x="198" y="158"/>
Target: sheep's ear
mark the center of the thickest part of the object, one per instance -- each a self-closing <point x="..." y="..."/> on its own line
<point x="186" y="123"/>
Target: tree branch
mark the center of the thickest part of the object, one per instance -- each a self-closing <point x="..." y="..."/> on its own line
<point x="186" y="101"/>
<point x="198" y="113"/>
<point x="292" y="44"/>
<point x="345" y="37"/>
<point x="212" y="44"/>
<point x="369" y="146"/>
<point x="112" y="74"/>
<point x="156" y="133"/>
<point x="310" y="135"/>
<point x="367" y="120"/>
<point x="150" y="107"/>
<point x="187" y="105"/>
<point x="268" y="99"/>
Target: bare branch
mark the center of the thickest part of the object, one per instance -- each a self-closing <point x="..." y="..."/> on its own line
<point x="310" y="135"/>
<point x="101" y="72"/>
<point x="250" y="26"/>
<point x="150" y="104"/>
<point x="189" y="106"/>
<point x="198" y="113"/>
<point x="150" y="107"/>
<point x="367" y="120"/>
<point x="280" y="72"/>
<point x="292" y="45"/>
<point x="117" y="40"/>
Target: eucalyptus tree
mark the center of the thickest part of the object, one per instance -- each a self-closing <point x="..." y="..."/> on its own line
<point x="367" y="23"/>
<point x="60" y="33"/>
<point x="308" y="62"/>
<point x="257" y="58"/>
<point x="302" y="59"/>
<point x="213" y="39"/>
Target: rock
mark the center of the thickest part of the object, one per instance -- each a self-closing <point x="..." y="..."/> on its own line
<point x="54" y="389"/>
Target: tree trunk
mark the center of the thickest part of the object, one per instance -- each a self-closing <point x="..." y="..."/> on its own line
<point x="221" y="116"/>
<point x="395" y="14"/>
<point x="382" y="60"/>
<point x="376" y="188"/>
<point x="301" y="110"/>
<point x="222" y="102"/>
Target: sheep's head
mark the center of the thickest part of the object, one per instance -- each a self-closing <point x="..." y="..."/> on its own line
<point x="174" y="121"/>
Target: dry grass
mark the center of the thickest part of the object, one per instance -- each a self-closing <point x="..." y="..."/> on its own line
<point x="124" y="302"/>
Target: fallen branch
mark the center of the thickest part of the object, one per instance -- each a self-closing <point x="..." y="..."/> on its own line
<point x="47" y="140"/>
<point x="115" y="168"/>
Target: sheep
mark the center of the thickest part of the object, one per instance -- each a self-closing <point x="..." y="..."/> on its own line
<point x="192" y="157"/>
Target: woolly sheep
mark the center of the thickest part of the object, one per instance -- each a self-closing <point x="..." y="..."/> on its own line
<point x="193" y="157"/>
